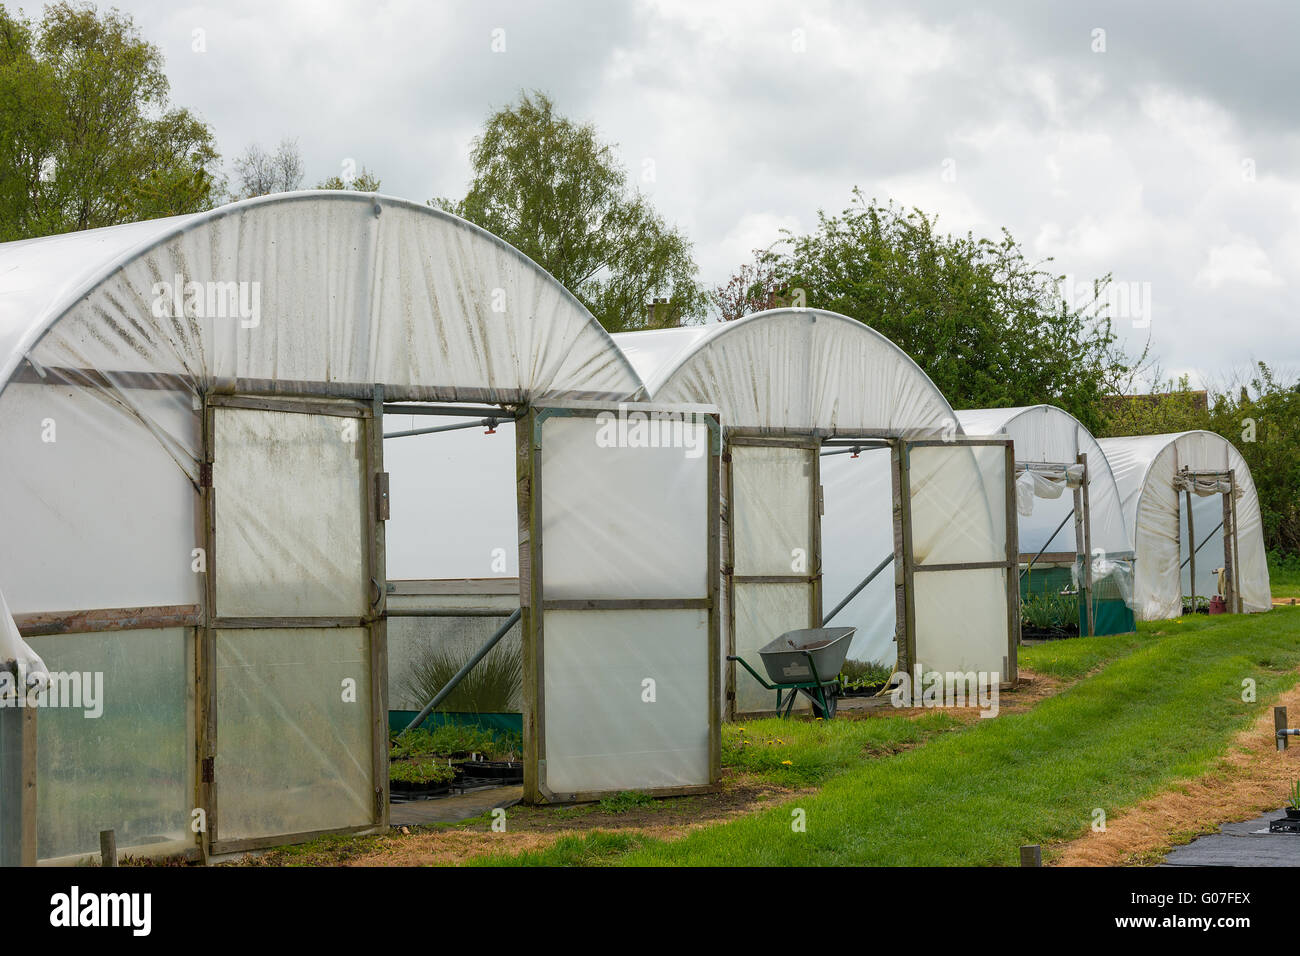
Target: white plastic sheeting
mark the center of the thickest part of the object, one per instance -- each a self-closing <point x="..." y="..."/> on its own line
<point x="13" y="649"/>
<point x="806" y="372"/>
<point x="351" y="290"/>
<point x="958" y="502"/>
<point x="624" y="692"/>
<point x="792" y="370"/>
<point x="118" y="750"/>
<point x="109" y="341"/>
<point x="1047" y="434"/>
<point x="1145" y="469"/>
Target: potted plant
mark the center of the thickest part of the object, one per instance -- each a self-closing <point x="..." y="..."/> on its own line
<point x="424" y="775"/>
<point x="1293" y="804"/>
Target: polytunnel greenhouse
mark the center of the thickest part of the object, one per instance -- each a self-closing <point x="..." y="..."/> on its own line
<point x="1193" y="516"/>
<point x="851" y="495"/>
<point x="195" y="503"/>
<point x="1070" y="520"/>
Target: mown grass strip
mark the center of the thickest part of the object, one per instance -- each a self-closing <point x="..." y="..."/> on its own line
<point x="1161" y="712"/>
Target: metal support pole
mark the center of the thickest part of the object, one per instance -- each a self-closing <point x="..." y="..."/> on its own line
<point x="1049" y="542"/>
<point x="1204" y="542"/>
<point x="457" y="411"/>
<point x="484" y="423"/>
<point x="857" y="590"/>
<point x="470" y="664"/>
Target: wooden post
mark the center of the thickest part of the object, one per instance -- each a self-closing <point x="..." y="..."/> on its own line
<point x="1236" y="548"/>
<point x="1012" y="553"/>
<point x="1031" y="855"/>
<point x="1279" y="724"/>
<point x="107" y="848"/>
<point x="1191" y="548"/>
<point x="905" y="604"/>
<point x="1229" y="567"/>
<point x="376" y="502"/>
<point x="527" y="479"/>
<point x="1086" y="518"/>
<point x="27" y="842"/>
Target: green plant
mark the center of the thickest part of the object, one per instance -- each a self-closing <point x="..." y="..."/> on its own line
<point x="626" y="800"/>
<point x="494" y="685"/>
<point x="1050" y="610"/>
<point x="1294" y="801"/>
<point x="427" y="770"/>
<point x="864" y="675"/>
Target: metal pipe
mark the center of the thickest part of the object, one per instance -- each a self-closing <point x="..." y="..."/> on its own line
<point x="843" y="451"/>
<point x="1049" y="541"/>
<point x="485" y="423"/>
<point x="857" y="590"/>
<point x="457" y="411"/>
<point x="1204" y="542"/>
<point x="470" y="664"/>
<point x="448" y="611"/>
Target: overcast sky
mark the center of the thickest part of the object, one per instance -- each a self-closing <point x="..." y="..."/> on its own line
<point x="1164" y="150"/>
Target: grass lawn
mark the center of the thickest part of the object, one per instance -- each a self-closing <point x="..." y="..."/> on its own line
<point x="1163" y="707"/>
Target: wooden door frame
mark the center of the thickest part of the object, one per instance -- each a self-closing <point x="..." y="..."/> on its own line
<point x="374" y="503"/>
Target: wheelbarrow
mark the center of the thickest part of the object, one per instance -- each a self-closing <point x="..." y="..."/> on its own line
<point x="806" y="661"/>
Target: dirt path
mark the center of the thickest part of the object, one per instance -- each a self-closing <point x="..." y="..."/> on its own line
<point x="533" y="828"/>
<point x="536" y="828"/>
<point x="1251" y="779"/>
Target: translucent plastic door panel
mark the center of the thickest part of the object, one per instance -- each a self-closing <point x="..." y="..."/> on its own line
<point x="297" y="593"/>
<point x="618" y="579"/>
<point x="958" y="586"/>
<point x="774" y="556"/>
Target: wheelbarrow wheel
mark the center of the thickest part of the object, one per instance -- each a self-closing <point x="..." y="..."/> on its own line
<point x="832" y="703"/>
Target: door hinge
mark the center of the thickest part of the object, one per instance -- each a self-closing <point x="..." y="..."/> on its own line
<point x="209" y="769"/>
<point x="205" y="474"/>
<point x="381" y="496"/>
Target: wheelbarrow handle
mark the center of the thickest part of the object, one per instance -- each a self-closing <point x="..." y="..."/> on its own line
<point x="745" y="664"/>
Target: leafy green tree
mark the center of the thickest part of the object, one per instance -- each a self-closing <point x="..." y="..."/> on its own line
<point x="1174" y="407"/>
<point x="88" y="136"/>
<point x="554" y="190"/>
<point x="988" y="326"/>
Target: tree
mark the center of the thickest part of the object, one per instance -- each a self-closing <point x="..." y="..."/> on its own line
<point x="260" y="173"/>
<point x="363" y="182"/>
<point x="988" y="326"/>
<point x="88" y="137"/>
<point x="551" y="188"/>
